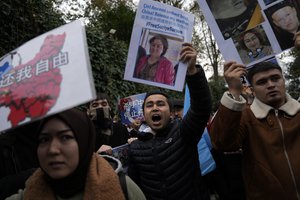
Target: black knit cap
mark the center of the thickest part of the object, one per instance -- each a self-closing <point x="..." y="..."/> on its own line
<point x="261" y="67"/>
<point x="270" y="11"/>
<point x="153" y="92"/>
<point x="178" y="103"/>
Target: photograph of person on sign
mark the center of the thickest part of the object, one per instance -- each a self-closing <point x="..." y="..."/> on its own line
<point x="253" y="45"/>
<point x="157" y="57"/>
<point x="284" y="19"/>
<point x="235" y="16"/>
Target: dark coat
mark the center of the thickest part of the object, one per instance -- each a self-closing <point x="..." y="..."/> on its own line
<point x="118" y="137"/>
<point x="18" y="158"/>
<point x="270" y="141"/>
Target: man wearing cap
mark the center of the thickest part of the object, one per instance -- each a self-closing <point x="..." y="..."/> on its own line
<point x="286" y="23"/>
<point x="177" y="110"/>
<point x="164" y="160"/>
<point x="268" y="131"/>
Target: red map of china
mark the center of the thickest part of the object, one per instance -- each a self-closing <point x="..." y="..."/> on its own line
<point x="33" y="97"/>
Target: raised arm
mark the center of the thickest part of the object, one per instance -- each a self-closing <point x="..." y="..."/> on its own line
<point x="225" y="125"/>
<point x="198" y="114"/>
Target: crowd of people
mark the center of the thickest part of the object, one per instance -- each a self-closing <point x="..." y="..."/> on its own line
<point x="255" y="143"/>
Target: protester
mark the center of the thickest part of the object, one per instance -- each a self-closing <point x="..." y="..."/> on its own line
<point x="177" y="110"/>
<point x="69" y="168"/>
<point x="155" y="66"/>
<point x="109" y="133"/>
<point x="267" y="131"/>
<point x="164" y="160"/>
<point x="284" y="19"/>
<point x="226" y="180"/>
<point x="253" y="46"/>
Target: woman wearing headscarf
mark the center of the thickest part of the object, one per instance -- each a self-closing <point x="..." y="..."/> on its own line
<point x="69" y="168"/>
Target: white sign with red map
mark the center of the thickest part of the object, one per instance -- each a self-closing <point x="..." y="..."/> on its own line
<point x="44" y="76"/>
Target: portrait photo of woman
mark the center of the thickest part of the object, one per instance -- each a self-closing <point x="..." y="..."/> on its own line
<point x="253" y="45"/>
<point x="154" y="66"/>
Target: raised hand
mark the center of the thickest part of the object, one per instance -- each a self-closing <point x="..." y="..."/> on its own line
<point x="233" y="73"/>
<point x="188" y="55"/>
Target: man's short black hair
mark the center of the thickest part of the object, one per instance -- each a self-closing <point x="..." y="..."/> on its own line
<point x="99" y="96"/>
<point x="153" y="92"/>
<point x="178" y="103"/>
<point x="261" y="67"/>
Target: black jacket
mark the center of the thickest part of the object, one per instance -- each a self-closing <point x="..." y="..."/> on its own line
<point x="18" y="158"/>
<point x="118" y="137"/>
<point x="166" y="166"/>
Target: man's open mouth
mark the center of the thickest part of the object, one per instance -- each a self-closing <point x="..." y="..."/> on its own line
<point x="156" y="118"/>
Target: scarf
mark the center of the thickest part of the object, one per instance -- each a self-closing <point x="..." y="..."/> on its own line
<point x="102" y="183"/>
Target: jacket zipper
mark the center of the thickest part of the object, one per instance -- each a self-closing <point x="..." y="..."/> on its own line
<point x="286" y="155"/>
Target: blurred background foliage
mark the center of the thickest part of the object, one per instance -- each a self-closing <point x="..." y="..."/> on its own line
<point x="23" y="20"/>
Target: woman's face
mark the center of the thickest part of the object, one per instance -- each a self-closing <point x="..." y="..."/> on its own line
<point x="156" y="48"/>
<point x="223" y="9"/>
<point x="58" y="151"/>
<point x="251" y="41"/>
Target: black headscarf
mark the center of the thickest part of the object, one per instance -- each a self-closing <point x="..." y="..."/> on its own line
<point x="84" y="133"/>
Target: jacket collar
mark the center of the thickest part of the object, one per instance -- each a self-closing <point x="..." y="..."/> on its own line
<point x="102" y="183"/>
<point x="261" y="110"/>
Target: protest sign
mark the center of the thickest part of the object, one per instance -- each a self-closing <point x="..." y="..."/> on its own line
<point x="46" y="75"/>
<point x="122" y="153"/>
<point x="246" y="31"/>
<point x="156" y="41"/>
<point x="131" y="108"/>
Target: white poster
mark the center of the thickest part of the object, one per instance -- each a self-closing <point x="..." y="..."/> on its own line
<point x="156" y="41"/>
<point x="251" y="31"/>
<point x="46" y="75"/>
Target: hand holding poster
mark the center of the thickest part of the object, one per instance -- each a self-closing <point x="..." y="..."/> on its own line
<point x="46" y="75"/>
<point x="250" y="31"/>
<point x="156" y="41"/>
<point x="122" y="153"/>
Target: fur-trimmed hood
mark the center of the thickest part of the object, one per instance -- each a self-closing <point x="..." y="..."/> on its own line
<point x="261" y="110"/>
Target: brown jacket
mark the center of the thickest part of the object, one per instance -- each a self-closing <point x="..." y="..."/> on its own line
<point x="270" y="140"/>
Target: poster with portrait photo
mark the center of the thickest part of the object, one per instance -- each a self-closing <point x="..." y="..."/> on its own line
<point x="284" y="20"/>
<point x="158" y="34"/>
<point x="167" y="48"/>
<point x="234" y="17"/>
<point x="253" y="45"/>
<point x="229" y="47"/>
